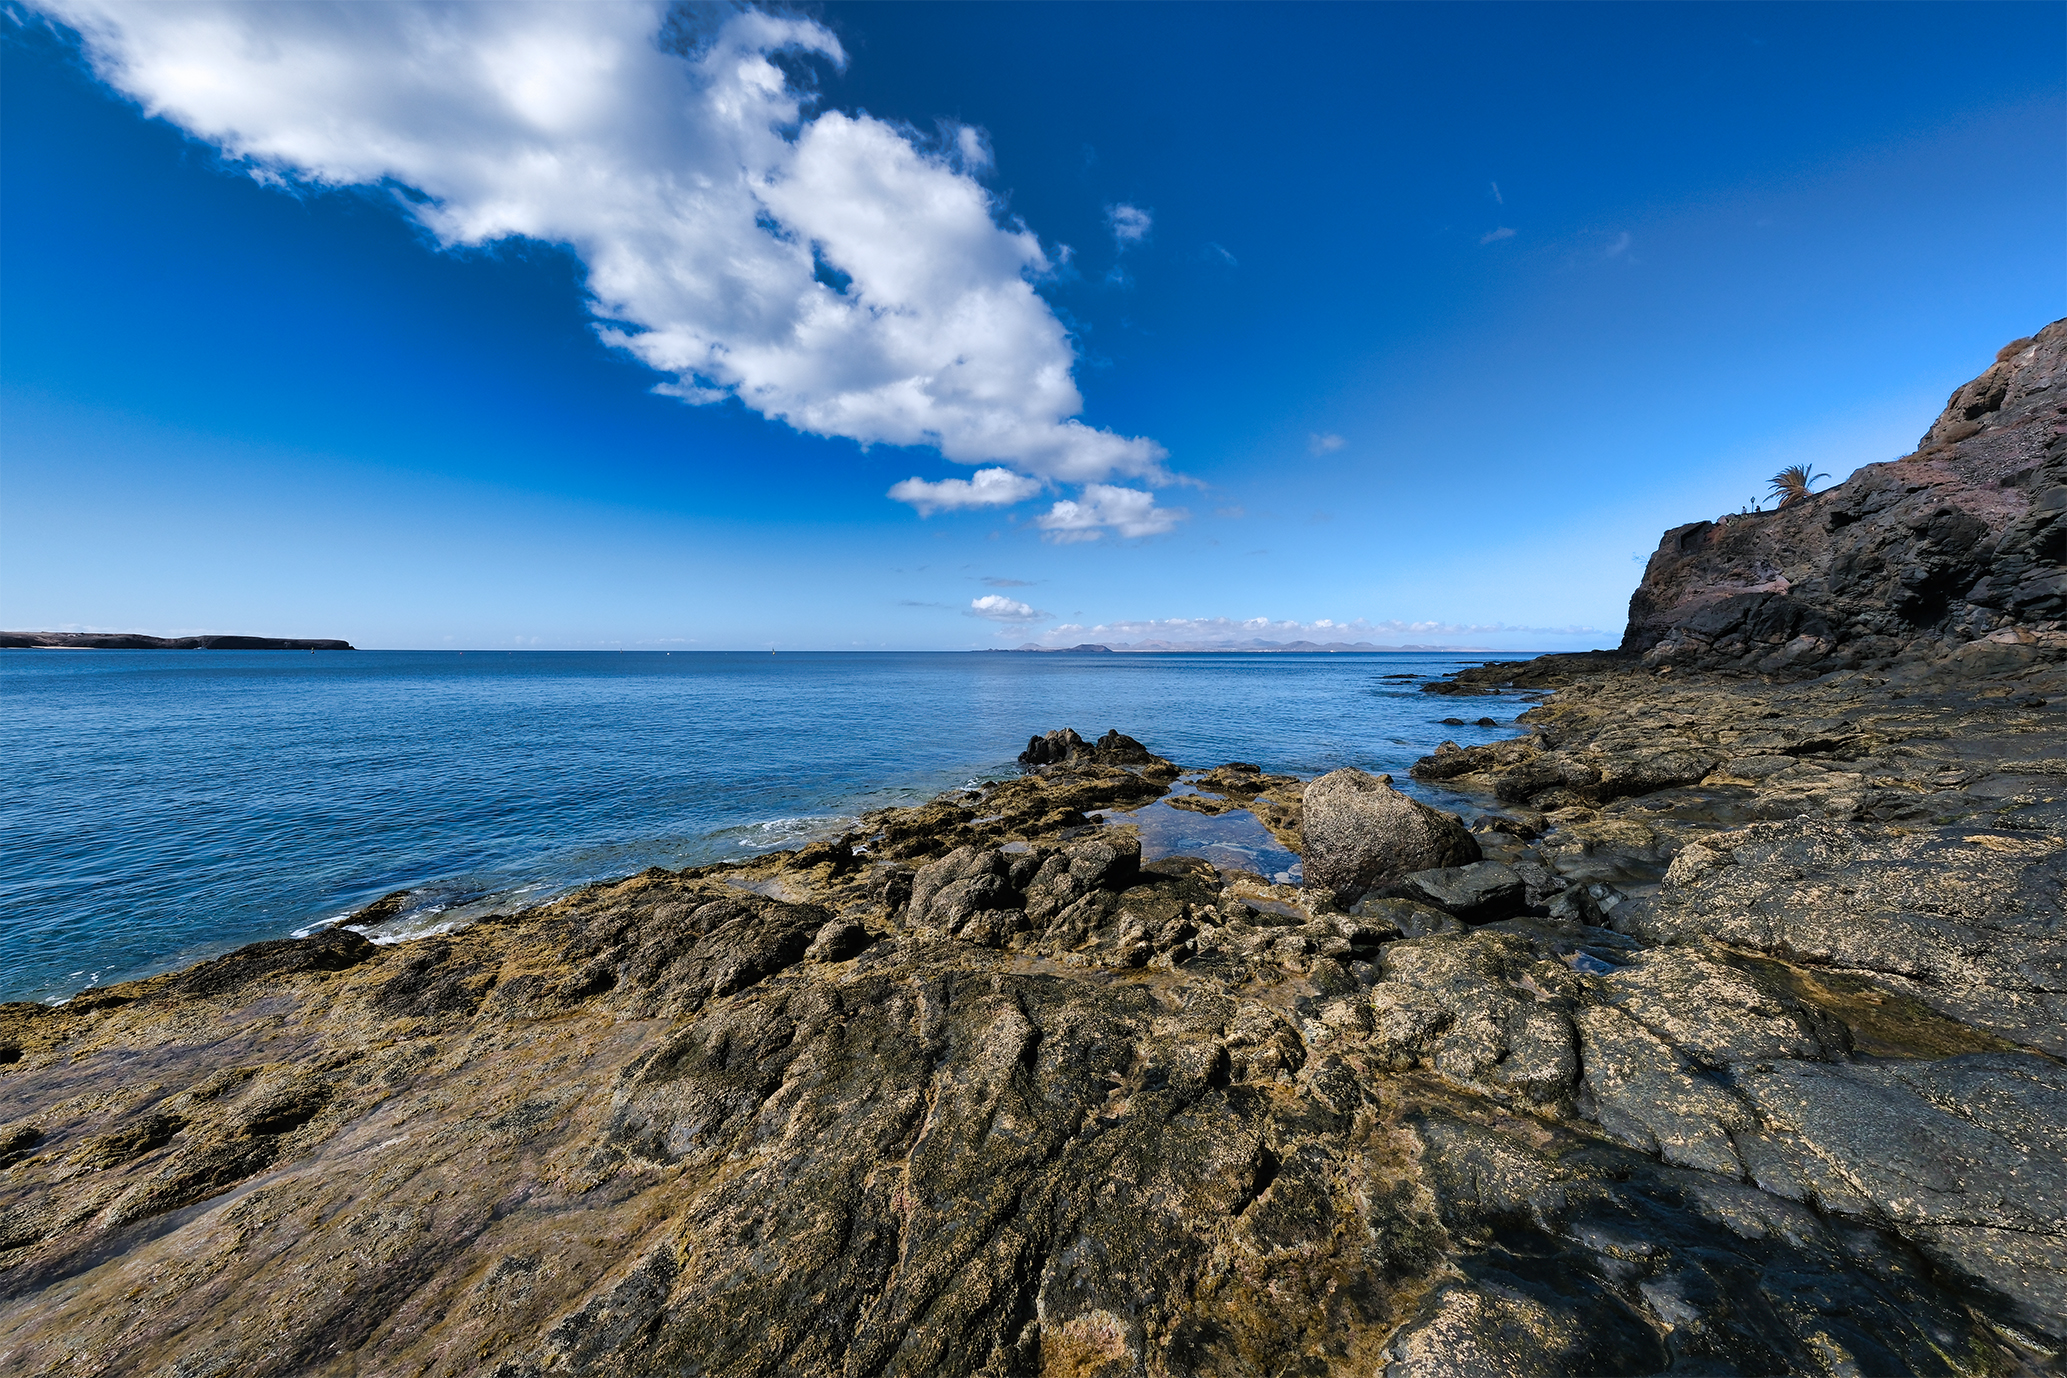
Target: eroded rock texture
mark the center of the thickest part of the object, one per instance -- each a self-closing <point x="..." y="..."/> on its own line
<point x="1362" y="834"/>
<point x="978" y="1090"/>
<point x="1958" y="549"/>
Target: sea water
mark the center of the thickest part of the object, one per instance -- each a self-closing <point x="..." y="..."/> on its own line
<point x="165" y="806"/>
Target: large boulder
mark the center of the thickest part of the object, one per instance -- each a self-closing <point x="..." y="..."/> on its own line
<point x="1362" y="833"/>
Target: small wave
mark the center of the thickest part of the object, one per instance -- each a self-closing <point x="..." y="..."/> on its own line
<point x="411" y="927"/>
<point x="778" y="834"/>
<point x="92" y="979"/>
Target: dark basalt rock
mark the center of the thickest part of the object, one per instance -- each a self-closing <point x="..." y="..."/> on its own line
<point x="1454" y="689"/>
<point x="1478" y="893"/>
<point x="1959" y="550"/>
<point x="334" y="949"/>
<point x="1064" y="747"/>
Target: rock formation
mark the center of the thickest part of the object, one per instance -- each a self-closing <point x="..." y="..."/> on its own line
<point x="975" y="1089"/>
<point x="1064" y="747"/>
<point x="1959" y="548"/>
<point x="1361" y="834"/>
<point x="1728" y="1039"/>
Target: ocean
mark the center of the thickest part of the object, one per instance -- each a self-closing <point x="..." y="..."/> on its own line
<point x="167" y="806"/>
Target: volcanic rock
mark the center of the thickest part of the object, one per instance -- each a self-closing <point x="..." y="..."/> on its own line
<point x="1917" y="558"/>
<point x="1478" y="893"/>
<point x="1064" y="747"/>
<point x="1361" y="833"/>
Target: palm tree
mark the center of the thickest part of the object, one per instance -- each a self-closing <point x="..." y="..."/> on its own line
<point x="1791" y="485"/>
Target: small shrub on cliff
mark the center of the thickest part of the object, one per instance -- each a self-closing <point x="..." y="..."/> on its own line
<point x="1791" y="485"/>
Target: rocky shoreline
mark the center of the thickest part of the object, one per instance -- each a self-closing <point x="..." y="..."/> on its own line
<point x="1728" y="1038"/>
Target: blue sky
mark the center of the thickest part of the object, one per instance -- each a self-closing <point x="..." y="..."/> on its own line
<point x="1397" y="323"/>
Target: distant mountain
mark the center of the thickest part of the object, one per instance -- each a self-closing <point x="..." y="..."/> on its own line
<point x="136" y="641"/>
<point x="1306" y="647"/>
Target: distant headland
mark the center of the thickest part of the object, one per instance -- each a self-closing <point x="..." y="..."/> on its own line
<point x="136" y="641"/>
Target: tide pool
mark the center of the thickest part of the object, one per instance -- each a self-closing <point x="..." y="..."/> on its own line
<point x="166" y="806"/>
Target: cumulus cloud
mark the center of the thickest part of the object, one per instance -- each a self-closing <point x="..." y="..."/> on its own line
<point x="1130" y="224"/>
<point x="997" y="608"/>
<point x="984" y="488"/>
<point x="704" y="202"/>
<point x="1324" y="443"/>
<point x="1106" y="506"/>
<point x="1502" y="233"/>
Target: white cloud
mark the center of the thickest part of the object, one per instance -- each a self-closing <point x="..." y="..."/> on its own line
<point x="1620" y="246"/>
<point x="1320" y="443"/>
<point x="974" y="147"/>
<point x="984" y="488"/>
<point x="1498" y="199"/>
<point x="693" y="187"/>
<point x="1217" y="253"/>
<point x="1130" y="224"/>
<point x="1502" y="233"/>
<point x="998" y="608"/>
<point x="1130" y="511"/>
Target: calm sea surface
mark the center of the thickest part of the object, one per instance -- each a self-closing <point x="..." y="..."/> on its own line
<point x="165" y="806"/>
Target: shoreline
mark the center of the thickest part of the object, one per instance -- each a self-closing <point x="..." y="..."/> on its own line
<point x="1729" y="1036"/>
<point x="1548" y="1009"/>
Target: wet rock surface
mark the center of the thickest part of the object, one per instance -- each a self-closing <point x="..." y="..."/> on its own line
<point x="1672" y="1077"/>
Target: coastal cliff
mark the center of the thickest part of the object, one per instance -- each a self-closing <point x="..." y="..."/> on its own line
<point x="1716" y="1025"/>
<point x="1958" y="543"/>
<point x="137" y="641"/>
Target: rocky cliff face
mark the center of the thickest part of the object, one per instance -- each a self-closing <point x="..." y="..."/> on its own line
<point x="1954" y="551"/>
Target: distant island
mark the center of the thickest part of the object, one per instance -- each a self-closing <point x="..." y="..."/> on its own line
<point x="1141" y="647"/>
<point x="136" y="641"/>
<point x="1728" y="1026"/>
